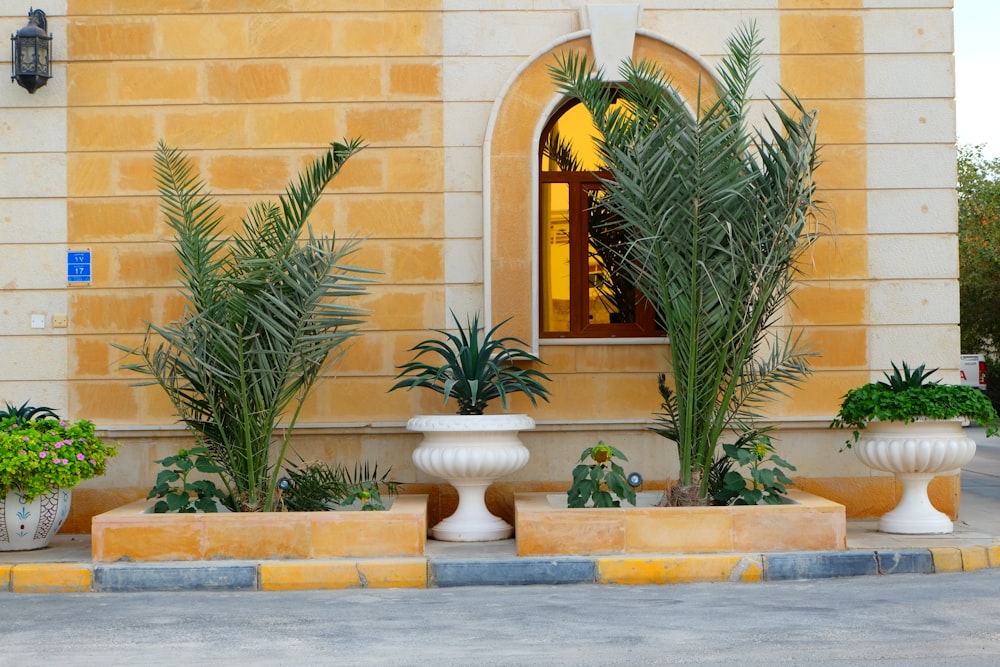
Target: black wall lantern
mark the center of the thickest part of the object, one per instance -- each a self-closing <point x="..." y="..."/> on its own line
<point x="30" y="48"/>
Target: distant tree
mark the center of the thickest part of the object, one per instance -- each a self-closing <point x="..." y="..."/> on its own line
<point x="979" y="249"/>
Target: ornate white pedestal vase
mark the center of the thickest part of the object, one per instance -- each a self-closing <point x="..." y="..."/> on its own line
<point x="33" y="523"/>
<point x="915" y="453"/>
<point x="471" y="452"/>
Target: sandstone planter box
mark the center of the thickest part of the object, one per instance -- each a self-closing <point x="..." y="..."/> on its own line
<point x="810" y="523"/>
<point x="130" y="533"/>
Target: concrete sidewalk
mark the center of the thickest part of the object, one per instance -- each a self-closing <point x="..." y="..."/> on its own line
<point x="975" y="544"/>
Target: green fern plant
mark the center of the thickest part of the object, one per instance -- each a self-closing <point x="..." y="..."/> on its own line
<point x="264" y="316"/>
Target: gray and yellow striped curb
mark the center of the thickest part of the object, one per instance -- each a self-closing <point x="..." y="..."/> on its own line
<point x="422" y="572"/>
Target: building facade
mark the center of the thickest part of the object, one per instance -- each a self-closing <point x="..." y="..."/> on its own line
<point x="452" y="98"/>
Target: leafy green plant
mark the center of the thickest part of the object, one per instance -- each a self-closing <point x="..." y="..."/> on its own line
<point x="264" y="316"/>
<point x="767" y="484"/>
<point x="716" y="217"/>
<point x="472" y="369"/>
<point x="200" y="495"/>
<point x="601" y="483"/>
<point x="41" y="455"/>
<point x="318" y="486"/>
<point x="902" y="399"/>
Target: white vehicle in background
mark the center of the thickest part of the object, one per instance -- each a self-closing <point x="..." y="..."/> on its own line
<point x="973" y="370"/>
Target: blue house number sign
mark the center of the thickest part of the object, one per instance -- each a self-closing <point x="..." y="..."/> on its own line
<point x="78" y="266"/>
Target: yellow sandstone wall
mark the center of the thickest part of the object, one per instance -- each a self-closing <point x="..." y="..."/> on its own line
<point x="251" y="95"/>
<point x="450" y="99"/>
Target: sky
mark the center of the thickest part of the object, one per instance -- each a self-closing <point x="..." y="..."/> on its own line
<point x="977" y="73"/>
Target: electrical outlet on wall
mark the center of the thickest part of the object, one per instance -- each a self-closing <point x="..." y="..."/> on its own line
<point x="37" y="320"/>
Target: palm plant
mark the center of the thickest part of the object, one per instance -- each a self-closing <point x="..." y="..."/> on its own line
<point x="716" y="216"/>
<point x="472" y="369"/>
<point x="261" y="322"/>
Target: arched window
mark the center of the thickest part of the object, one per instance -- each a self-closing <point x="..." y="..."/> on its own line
<point x="582" y="293"/>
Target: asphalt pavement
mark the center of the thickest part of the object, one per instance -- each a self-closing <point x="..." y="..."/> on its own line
<point x="909" y="619"/>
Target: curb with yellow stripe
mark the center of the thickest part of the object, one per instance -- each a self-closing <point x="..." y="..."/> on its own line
<point x="421" y="572"/>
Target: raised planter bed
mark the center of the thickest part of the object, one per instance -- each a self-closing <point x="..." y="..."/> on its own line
<point x="131" y="533"/>
<point x="810" y="523"/>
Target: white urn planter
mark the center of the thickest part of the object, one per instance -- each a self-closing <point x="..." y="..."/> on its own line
<point x="471" y="452"/>
<point x="915" y="453"/>
<point x="31" y="524"/>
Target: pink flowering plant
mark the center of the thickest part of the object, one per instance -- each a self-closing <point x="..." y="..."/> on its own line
<point x="39" y="455"/>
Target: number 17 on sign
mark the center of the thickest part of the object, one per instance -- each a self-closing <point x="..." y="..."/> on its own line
<point x="78" y="266"/>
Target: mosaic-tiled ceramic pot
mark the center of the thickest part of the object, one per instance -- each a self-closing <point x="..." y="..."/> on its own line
<point x="31" y="524"/>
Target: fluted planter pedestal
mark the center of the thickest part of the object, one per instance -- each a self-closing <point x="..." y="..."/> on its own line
<point x="915" y="453"/>
<point x="471" y="452"/>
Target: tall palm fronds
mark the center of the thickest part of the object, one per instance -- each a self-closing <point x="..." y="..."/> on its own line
<point x="264" y="316"/>
<point x="717" y="216"/>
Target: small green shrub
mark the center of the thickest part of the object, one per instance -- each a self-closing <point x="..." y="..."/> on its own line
<point x="602" y="482"/>
<point x="318" y="486"/>
<point x="188" y="497"/>
<point x="766" y="484"/>
<point x="40" y="455"/>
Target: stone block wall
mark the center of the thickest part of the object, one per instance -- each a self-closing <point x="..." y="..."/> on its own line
<point x="451" y="97"/>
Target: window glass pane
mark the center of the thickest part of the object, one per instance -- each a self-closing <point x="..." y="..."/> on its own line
<point x="583" y="291"/>
<point x="555" y="256"/>
<point x="612" y="295"/>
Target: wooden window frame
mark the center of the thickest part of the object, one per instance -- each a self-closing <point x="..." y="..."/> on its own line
<point x="579" y="184"/>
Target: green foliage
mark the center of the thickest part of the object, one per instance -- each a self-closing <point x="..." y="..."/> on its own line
<point x="601" y="483"/>
<point x="925" y="400"/>
<point x="188" y="497"/>
<point x="317" y="486"/>
<point x="26" y="412"/>
<point x="717" y="217"/>
<point x="264" y="317"/>
<point x="767" y="483"/>
<point x="475" y="371"/>
<point x="37" y="456"/>
<point x="979" y="249"/>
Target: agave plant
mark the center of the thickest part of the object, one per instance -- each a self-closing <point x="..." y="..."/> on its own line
<point x="263" y="318"/>
<point x="472" y="369"/>
<point x="27" y="412"/>
<point x="907" y="378"/>
<point x="716" y="216"/>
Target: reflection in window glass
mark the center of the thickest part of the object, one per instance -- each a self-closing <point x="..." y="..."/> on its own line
<point x="583" y="292"/>
<point x="555" y="256"/>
